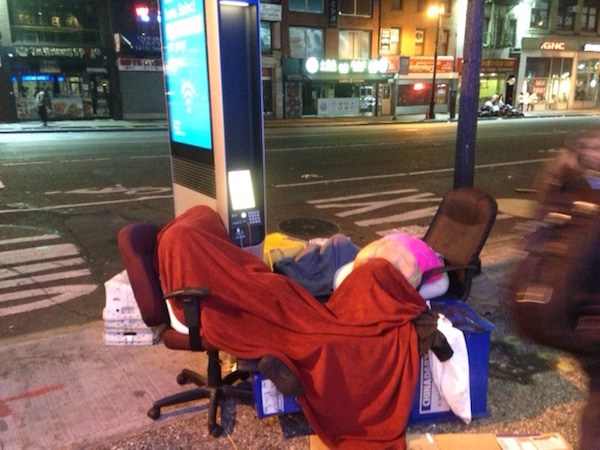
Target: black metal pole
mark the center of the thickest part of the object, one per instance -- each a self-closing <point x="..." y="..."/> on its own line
<point x="435" y="57"/>
<point x="466" y="134"/>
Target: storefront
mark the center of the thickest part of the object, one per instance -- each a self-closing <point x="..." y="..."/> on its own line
<point x="140" y="80"/>
<point x="61" y="47"/>
<point x="334" y="88"/>
<point x="561" y="73"/>
<point x="414" y="88"/>
<point x="75" y="77"/>
<point x="495" y="72"/>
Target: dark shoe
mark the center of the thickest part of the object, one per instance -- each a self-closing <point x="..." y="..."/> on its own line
<point x="282" y="377"/>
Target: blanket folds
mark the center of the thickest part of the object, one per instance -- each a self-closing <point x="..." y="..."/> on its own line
<point x="356" y="355"/>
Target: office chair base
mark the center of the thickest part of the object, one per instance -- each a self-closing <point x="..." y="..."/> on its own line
<point x="189" y="376"/>
<point x="214" y="394"/>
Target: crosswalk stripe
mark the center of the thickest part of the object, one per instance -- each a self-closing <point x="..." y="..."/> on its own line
<point x="44" y="278"/>
<point x="37" y="253"/>
<point x="42" y="237"/>
<point x="26" y="269"/>
<point x="56" y="294"/>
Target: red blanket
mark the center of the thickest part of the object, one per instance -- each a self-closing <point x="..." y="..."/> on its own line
<point x="356" y="355"/>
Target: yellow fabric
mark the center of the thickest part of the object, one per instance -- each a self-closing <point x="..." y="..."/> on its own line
<point x="278" y="246"/>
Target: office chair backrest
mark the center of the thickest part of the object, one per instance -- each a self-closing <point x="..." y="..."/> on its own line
<point x="460" y="228"/>
<point x="137" y="244"/>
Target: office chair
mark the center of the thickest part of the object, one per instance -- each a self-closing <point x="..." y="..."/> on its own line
<point x="137" y="244"/>
<point x="458" y="232"/>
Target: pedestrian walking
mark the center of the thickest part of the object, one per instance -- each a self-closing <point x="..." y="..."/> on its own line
<point x="40" y="100"/>
<point x="556" y="289"/>
<point x="531" y="98"/>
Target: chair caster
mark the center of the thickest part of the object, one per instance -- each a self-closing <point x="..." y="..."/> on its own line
<point x="216" y="431"/>
<point x="154" y="413"/>
<point x="182" y="379"/>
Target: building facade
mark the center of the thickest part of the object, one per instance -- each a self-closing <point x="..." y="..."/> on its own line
<point x="62" y="47"/>
<point x="319" y="57"/>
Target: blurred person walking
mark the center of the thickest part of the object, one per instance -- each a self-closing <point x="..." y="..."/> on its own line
<point x="556" y="288"/>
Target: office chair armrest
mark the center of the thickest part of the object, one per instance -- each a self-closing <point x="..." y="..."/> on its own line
<point x="191" y="297"/>
<point x="443" y="269"/>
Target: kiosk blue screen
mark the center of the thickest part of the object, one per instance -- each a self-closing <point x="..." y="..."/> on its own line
<point x="186" y="70"/>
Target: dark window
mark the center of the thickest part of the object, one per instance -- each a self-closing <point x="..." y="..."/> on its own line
<point x="566" y="15"/>
<point x="589" y="15"/>
<point x="265" y="37"/>
<point x="397" y="4"/>
<point x="539" y="15"/>
<point x="312" y="6"/>
<point x="355" y="7"/>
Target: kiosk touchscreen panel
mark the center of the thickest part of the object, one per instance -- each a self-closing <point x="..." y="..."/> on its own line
<point x="186" y="70"/>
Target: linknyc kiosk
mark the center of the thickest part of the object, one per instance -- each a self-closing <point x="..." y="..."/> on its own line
<point x="211" y="53"/>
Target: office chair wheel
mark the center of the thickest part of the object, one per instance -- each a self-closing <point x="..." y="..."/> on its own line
<point x="154" y="413"/>
<point x="216" y="431"/>
<point x="182" y="379"/>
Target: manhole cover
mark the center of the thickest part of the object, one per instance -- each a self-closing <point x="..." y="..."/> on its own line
<point x="308" y="228"/>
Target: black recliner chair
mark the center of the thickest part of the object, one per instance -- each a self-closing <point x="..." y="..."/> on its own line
<point x="458" y="232"/>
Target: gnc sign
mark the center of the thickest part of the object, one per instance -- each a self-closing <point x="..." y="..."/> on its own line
<point x="552" y="45"/>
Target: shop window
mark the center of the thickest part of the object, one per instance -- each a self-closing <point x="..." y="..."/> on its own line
<point x="417" y="94"/>
<point x="355" y="44"/>
<point x="55" y="21"/>
<point x="539" y="15"/>
<point x="586" y="84"/>
<point x="306" y="42"/>
<point x="265" y="37"/>
<point x="419" y="42"/>
<point x="310" y="6"/>
<point x="397" y="4"/>
<point x="566" y="15"/>
<point x="561" y="67"/>
<point x="589" y="14"/>
<point x="355" y="7"/>
<point x="538" y="67"/>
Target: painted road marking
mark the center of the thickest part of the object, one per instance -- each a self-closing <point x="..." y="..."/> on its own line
<point x="407" y="174"/>
<point x="84" y="205"/>
<point x="41" y="267"/>
<point x="368" y="206"/>
<point x="355" y="205"/>
<point x="30" y="267"/>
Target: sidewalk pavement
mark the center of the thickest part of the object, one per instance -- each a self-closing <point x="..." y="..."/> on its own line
<point x="65" y="389"/>
<point x="161" y="124"/>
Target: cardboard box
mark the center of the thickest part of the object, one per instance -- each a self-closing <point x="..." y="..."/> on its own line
<point x="269" y="400"/>
<point x="481" y="441"/>
<point x="131" y="337"/>
<point x="119" y="295"/>
<point x="428" y="405"/>
<point x="123" y="323"/>
<point x="487" y="441"/>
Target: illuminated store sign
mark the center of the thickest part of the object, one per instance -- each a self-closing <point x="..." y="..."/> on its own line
<point x="591" y="48"/>
<point x="343" y="67"/>
<point x="553" y="45"/>
<point x="66" y="52"/>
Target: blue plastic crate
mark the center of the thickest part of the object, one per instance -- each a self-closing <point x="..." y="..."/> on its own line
<point x="426" y="407"/>
<point x="269" y="400"/>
